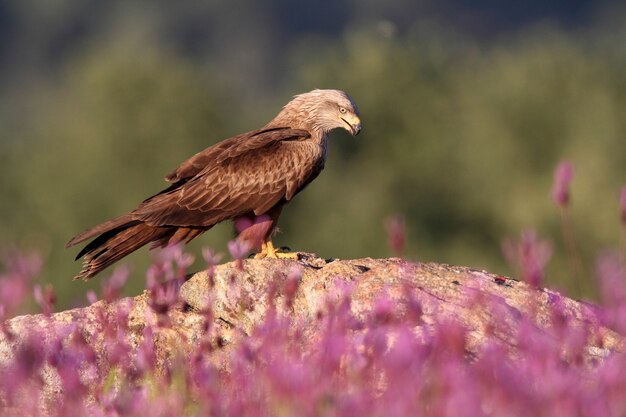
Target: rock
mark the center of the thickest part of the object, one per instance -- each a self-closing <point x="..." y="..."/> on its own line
<point x="475" y="298"/>
<point x="240" y="293"/>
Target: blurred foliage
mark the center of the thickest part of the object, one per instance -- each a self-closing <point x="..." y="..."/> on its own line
<point x="463" y="144"/>
<point x="460" y="137"/>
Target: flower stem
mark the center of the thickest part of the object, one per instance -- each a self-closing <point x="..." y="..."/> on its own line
<point x="569" y="241"/>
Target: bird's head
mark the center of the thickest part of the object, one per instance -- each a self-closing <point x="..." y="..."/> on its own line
<point x="323" y="111"/>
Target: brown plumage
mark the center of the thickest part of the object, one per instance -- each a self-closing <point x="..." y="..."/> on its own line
<point x="247" y="178"/>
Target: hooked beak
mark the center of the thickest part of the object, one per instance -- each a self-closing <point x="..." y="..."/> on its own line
<point x="353" y="124"/>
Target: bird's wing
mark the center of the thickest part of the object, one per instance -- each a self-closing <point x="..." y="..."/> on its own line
<point x="232" y="147"/>
<point x="247" y="173"/>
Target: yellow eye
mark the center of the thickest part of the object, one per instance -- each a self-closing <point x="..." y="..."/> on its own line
<point x="342" y="110"/>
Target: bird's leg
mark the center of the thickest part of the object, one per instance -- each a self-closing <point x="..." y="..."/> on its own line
<point x="263" y="253"/>
<point x="260" y="229"/>
<point x="268" y="251"/>
<point x="277" y="253"/>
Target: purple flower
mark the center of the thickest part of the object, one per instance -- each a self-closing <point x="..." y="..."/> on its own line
<point x="16" y="280"/>
<point x="611" y="276"/>
<point x="622" y="205"/>
<point x="92" y="297"/>
<point x="397" y="355"/>
<point x="45" y="298"/>
<point x="170" y="263"/>
<point x="253" y="230"/>
<point x="163" y="296"/>
<point x="238" y="249"/>
<point x="395" y="234"/>
<point x="210" y="257"/>
<point x="529" y="256"/>
<point x="291" y="285"/>
<point x="383" y="309"/>
<point x="560" y="187"/>
<point x="146" y="357"/>
<point x="112" y="287"/>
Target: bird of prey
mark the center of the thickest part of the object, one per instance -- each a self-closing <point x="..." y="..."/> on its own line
<point x="247" y="178"/>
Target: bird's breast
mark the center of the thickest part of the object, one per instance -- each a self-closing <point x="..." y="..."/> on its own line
<point x="306" y="154"/>
<point x="303" y="162"/>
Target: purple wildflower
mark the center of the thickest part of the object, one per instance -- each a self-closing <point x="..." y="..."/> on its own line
<point x="383" y="309"/>
<point x="414" y="308"/>
<point x="622" y="205"/>
<point x="45" y="298"/>
<point x="163" y="296"/>
<point x="529" y="256"/>
<point x="401" y="355"/>
<point x="92" y="297"/>
<point x="238" y="249"/>
<point x="112" y="287"/>
<point x="146" y="357"/>
<point x="169" y="263"/>
<point x="212" y="259"/>
<point x="560" y="187"/>
<point x="253" y="230"/>
<point x="16" y="280"/>
<point x="182" y="261"/>
<point x="395" y="234"/>
<point x="611" y="276"/>
<point x="291" y="285"/>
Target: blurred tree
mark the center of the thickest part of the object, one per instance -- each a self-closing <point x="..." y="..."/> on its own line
<point x="121" y="120"/>
<point x="464" y="143"/>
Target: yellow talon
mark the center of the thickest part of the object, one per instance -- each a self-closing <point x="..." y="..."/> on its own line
<point x="268" y="251"/>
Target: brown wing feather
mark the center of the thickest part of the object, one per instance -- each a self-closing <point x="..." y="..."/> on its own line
<point x="251" y="172"/>
<point x="230" y="148"/>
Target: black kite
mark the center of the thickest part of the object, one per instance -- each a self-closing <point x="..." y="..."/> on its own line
<point x="247" y="178"/>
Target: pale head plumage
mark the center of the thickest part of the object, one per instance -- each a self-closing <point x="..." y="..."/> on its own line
<point x="320" y="111"/>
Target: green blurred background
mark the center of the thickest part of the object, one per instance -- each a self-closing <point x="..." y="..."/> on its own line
<point x="466" y="107"/>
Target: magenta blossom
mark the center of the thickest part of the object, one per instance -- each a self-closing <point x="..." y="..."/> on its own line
<point x="112" y="287"/>
<point x="611" y="276"/>
<point x="395" y="234"/>
<point x="45" y="298"/>
<point x="622" y="205"/>
<point x="529" y="256"/>
<point x="560" y="188"/>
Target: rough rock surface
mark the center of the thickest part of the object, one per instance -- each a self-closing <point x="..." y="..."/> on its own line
<point x="476" y="298"/>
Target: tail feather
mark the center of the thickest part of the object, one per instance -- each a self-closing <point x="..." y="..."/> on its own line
<point x="124" y="220"/>
<point x="115" y="244"/>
